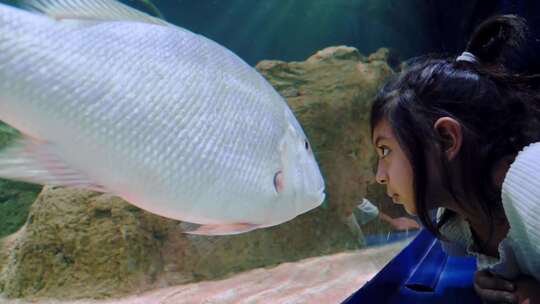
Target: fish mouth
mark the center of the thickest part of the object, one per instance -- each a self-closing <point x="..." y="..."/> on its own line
<point x="319" y="198"/>
<point x="314" y="201"/>
<point x="322" y="196"/>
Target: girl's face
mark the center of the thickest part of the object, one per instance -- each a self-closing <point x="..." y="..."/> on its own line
<point x="393" y="169"/>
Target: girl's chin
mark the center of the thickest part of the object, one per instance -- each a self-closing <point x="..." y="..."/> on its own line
<point x="412" y="213"/>
<point x="409" y="211"/>
<point x="396" y="201"/>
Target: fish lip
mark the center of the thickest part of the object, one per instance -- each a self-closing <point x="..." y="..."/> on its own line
<point x="321" y="197"/>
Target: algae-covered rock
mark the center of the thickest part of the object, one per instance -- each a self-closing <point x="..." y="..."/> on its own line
<point x="78" y="243"/>
<point x="15" y="201"/>
<point x="83" y="243"/>
<point x="15" y="197"/>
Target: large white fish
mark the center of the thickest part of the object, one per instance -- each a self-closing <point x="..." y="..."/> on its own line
<point x="111" y="99"/>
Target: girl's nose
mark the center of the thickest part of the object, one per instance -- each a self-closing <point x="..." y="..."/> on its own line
<point x="381" y="177"/>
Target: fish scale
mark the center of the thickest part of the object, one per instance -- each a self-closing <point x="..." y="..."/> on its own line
<point x="167" y="119"/>
<point x="110" y="113"/>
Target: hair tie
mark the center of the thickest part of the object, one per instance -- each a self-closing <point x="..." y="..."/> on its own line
<point x="467" y="56"/>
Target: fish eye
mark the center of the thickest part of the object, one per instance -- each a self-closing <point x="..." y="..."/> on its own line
<point x="306" y="144"/>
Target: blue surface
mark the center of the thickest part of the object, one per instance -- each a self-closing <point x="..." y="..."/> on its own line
<point x="385" y="239"/>
<point x="421" y="273"/>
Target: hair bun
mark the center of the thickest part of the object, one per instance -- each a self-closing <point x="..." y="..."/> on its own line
<point x="502" y="41"/>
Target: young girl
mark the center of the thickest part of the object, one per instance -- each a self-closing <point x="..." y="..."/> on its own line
<point x="463" y="135"/>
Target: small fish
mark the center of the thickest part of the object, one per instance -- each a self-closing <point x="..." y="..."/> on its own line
<point x="111" y="99"/>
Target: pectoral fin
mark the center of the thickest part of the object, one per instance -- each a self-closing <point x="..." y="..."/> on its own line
<point x="224" y="229"/>
<point x="34" y="161"/>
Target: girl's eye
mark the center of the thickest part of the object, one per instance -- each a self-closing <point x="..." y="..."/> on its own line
<point x="384" y="151"/>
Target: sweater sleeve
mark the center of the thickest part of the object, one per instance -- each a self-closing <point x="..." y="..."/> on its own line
<point x="521" y="201"/>
<point x="457" y="239"/>
<point x="366" y="212"/>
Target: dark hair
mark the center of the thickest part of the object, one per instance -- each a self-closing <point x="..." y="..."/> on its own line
<point x="493" y="100"/>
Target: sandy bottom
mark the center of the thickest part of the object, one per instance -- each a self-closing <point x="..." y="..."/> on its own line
<point x="325" y="279"/>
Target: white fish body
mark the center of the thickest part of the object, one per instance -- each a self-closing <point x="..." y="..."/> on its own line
<point x="114" y="100"/>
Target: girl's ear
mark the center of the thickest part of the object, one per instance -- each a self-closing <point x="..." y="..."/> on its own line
<point x="449" y="130"/>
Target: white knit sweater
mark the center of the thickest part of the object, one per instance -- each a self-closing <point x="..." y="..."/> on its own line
<point x="519" y="252"/>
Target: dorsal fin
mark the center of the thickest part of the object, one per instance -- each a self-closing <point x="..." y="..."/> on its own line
<point x="90" y="10"/>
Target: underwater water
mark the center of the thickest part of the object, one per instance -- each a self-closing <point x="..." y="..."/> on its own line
<point x="327" y="59"/>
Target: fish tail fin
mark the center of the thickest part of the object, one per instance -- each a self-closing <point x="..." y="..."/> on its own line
<point x="34" y="161"/>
